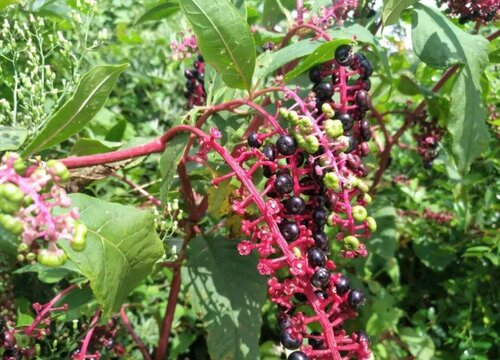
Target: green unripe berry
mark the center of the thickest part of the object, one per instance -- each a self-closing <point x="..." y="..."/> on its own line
<point x="59" y="169"/>
<point x="372" y="224"/>
<point x="30" y="256"/>
<point x="331" y="181"/>
<point x="305" y="125"/>
<point x="351" y="242"/>
<point x="50" y="258"/>
<point x="11" y="224"/>
<point x="328" y="110"/>
<point x="301" y="142"/>
<point x="334" y="128"/>
<point x="12" y="192"/>
<point x="293" y="117"/>
<point x="359" y="213"/>
<point x="363" y="187"/>
<point x="20" y="257"/>
<point x="312" y="144"/>
<point x="22" y="247"/>
<point x="284" y="113"/>
<point x="79" y="241"/>
<point x="343" y="142"/>
<point x="367" y="197"/>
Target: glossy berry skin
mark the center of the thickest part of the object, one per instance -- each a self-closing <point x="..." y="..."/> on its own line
<point x="366" y="69"/>
<point x="352" y="144"/>
<point x="289" y="230"/>
<point x="363" y="99"/>
<point x="346" y="119"/>
<point x="315" y="343"/>
<point x="298" y="355"/>
<point x="343" y="55"/>
<point x="254" y="141"/>
<point x="295" y="205"/>
<point x="355" y="299"/>
<point x="316" y="257"/>
<point x="323" y="90"/>
<point x="319" y="216"/>
<point x="315" y="75"/>
<point x="321" y="240"/>
<point x="362" y="336"/>
<point x="365" y="130"/>
<point x="342" y="286"/>
<point x="286" y="145"/>
<point x="283" y="184"/>
<point x="320" y="278"/>
<point x="288" y="341"/>
<point x="321" y="295"/>
<point x="268" y="152"/>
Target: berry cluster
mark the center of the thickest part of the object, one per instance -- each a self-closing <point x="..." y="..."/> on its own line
<point x="195" y="84"/>
<point x="103" y="339"/>
<point x="334" y="14"/>
<point x="439" y="217"/>
<point x="475" y="10"/>
<point x="27" y="200"/>
<point x="313" y="192"/>
<point x="428" y="136"/>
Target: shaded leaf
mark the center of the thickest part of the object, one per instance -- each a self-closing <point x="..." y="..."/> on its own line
<point x="432" y="254"/>
<point x="90" y="96"/>
<point x="224" y="38"/>
<point x="419" y="343"/>
<point x="384" y="241"/>
<point x="122" y="248"/>
<point x="392" y="10"/>
<point x="169" y="161"/>
<point x="160" y="11"/>
<point x="228" y="293"/>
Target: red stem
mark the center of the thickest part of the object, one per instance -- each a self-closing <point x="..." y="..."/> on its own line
<point x="88" y="336"/>
<point x="130" y="329"/>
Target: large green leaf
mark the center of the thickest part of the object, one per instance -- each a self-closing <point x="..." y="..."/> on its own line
<point x="384" y="241"/>
<point x="90" y="96"/>
<point x="122" y="248"/>
<point x="228" y="294"/>
<point x="12" y="138"/>
<point x="224" y="39"/>
<point x="5" y="3"/>
<point x="162" y="10"/>
<point x="169" y="161"/>
<point x="267" y="63"/>
<point x="321" y="54"/>
<point x="441" y="44"/>
<point x="419" y="343"/>
<point x="393" y="8"/>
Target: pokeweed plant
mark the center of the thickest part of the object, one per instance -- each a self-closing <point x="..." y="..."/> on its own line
<point x="286" y="141"/>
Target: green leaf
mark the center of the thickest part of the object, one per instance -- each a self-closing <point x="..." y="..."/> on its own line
<point x="228" y="294"/>
<point x="392" y="10"/>
<point x="441" y="44"/>
<point x="12" y="138"/>
<point x="321" y="54"/>
<point x="163" y="10"/>
<point x="122" y="248"/>
<point x="8" y="245"/>
<point x="434" y="255"/>
<point x="419" y="343"/>
<point x="224" y="38"/>
<point x="86" y="146"/>
<point x="169" y="161"/>
<point x="47" y="274"/>
<point x="267" y="63"/>
<point x="5" y="3"/>
<point x="364" y="35"/>
<point x="384" y="241"/>
<point x="90" y="96"/>
<point x="384" y="315"/>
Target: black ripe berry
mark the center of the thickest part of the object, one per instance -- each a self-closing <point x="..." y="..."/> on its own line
<point x="321" y="295"/>
<point x="319" y="216"/>
<point x="323" y="91"/>
<point x="295" y="205"/>
<point x="254" y="141"/>
<point x="301" y="297"/>
<point x="363" y="99"/>
<point x="286" y="145"/>
<point x="298" y="355"/>
<point x="320" y="278"/>
<point x="321" y="240"/>
<point x="346" y="120"/>
<point x="356" y="299"/>
<point x="368" y="84"/>
<point x="365" y="130"/>
<point x="366" y="69"/>
<point x="268" y="152"/>
<point x="343" y="55"/>
<point x="316" y="343"/>
<point x="316" y="257"/>
<point x="342" y="286"/>
<point x="283" y="184"/>
<point x="362" y="336"/>
<point x="289" y="230"/>
<point x="352" y="144"/>
<point x="315" y="74"/>
<point x="289" y="341"/>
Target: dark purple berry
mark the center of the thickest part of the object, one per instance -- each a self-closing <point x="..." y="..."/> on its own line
<point x="346" y="120"/>
<point x="321" y="295"/>
<point x="319" y="216"/>
<point x="365" y="130"/>
<point x="323" y="90"/>
<point x="363" y="99"/>
<point x="254" y="141"/>
<point x="362" y="336"/>
<point x="342" y="286"/>
<point x="286" y="145"/>
<point x="320" y="278"/>
<point x="200" y="58"/>
<point x="268" y="46"/>
<point x="316" y="257"/>
<point x="283" y="184"/>
<point x="315" y="74"/>
<point x="355" y="299"/>
<point x="368" y="84"/>
<point x="316" y="343"/>
<point x="298" y="355"/>
<point x="289" y="230"/>
<point x="288" y="341"/>
<point x="268" y="152"/>
<point x="343" y="55"/>
<point x="321" y="240"/>
<point x="295" y="205"/>
<point x="188" y="74"/>
<point x="352" y="144"/>
<point x="332" y="201"/>
<point x="366" y="69"/>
